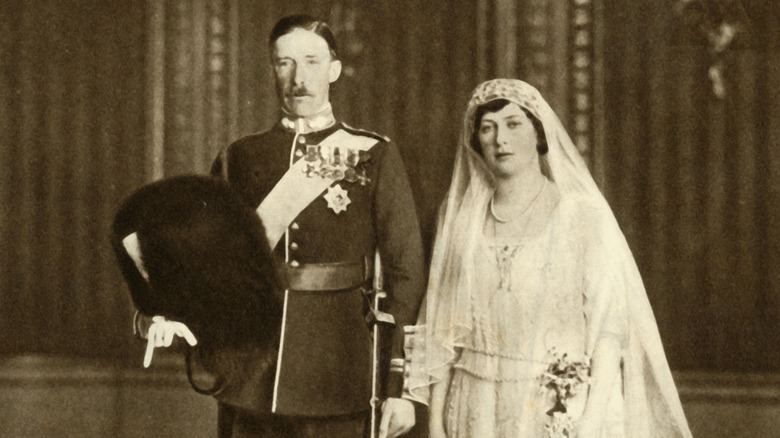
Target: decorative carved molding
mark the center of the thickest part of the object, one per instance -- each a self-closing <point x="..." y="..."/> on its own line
<point x="749" y="388"/>
<point x="581" y="75"/>
<point x="343" y="19"/>
<point x="217" y="78"/>
<point x="31" y="371"/>
<point x="192" y="83"/>
<point x="155" y="94"/>
<point x="180" y="86"/>
<point x="596" y="155"/>
<point x="538" y="42"/>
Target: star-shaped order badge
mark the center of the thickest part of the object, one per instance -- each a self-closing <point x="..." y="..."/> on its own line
<point x="337" y="198"/>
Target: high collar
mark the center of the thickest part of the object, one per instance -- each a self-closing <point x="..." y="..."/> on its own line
<point x="319" y="121"/>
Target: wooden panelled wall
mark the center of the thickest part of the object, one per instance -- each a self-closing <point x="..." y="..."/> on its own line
<point x="694" y="180"/>
<point x="99" y="98"/>
<point x="72" y="145"/>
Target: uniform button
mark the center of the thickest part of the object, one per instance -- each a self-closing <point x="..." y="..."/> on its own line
<point x="295" y="226"/>
<point x="294" y="264"/>
<point x="302" y="140"/>
<point x="298" y="153"/>
<point x="293" y="246"/>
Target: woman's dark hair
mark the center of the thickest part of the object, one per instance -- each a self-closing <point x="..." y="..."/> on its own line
<point x="291" y="22"/>
<point x="498" y="105"/>
<point x="488" y="107"/>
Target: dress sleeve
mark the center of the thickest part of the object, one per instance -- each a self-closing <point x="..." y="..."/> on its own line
<point x="400" y="248"/>
<point x="605" y="284"/>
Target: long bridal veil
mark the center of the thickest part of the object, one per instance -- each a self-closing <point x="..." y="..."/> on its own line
<point x="651" y="406"/>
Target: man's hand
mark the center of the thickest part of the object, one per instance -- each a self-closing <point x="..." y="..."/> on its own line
<point x="397" y="417"/>
<point x="161" y="334"/>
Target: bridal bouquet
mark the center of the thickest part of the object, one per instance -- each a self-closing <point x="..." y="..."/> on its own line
<point x="565" y="378"/>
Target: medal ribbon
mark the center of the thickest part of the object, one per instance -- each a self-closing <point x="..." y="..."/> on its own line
<point x="295" y="190"/>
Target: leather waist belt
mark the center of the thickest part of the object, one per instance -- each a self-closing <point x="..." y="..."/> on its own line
<point x="327" y="276"/>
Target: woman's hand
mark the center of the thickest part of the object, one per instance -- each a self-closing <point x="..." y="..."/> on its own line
<point x="161" y="334"/>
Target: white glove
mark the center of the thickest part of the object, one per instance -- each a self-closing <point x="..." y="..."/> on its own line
<point x="161" y="334"/>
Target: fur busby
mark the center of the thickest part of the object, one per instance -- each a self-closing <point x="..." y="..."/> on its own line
<point x="208" y="261"/>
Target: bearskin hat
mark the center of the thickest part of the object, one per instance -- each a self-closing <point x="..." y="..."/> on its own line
<point x="207" y="261"/>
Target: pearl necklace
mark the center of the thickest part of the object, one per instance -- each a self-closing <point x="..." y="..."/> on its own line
<point x="530" y="204"/>
<point x="504" y="252"/>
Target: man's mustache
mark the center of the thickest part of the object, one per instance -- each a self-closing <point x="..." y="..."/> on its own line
<point x="298" y="92"/>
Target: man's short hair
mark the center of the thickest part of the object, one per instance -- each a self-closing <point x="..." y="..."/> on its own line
<point x="302" y="21"/>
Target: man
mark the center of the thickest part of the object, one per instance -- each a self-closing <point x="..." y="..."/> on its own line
<point x="329" y="195"/>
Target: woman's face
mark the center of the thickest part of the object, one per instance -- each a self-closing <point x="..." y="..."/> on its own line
<point x="508" y="141"/>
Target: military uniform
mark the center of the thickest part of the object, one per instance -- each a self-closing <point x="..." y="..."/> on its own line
<point x="325" y="256"/>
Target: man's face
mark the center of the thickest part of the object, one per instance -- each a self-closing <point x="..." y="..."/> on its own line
<point x="304" y="71"/>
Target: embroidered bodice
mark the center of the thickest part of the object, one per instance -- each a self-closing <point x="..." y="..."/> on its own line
<point x="525" y="303"/>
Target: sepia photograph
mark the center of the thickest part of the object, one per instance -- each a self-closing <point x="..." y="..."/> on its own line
<point x="390" y="218"/>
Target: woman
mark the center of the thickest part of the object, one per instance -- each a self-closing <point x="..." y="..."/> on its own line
<point x="529" y="264"/>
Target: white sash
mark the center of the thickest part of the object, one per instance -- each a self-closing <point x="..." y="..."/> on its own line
<point x="295" y="190"/>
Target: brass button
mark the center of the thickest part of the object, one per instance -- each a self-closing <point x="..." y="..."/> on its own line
<point x="295" y="226"/>
<point x="294" y="264"/>
<point x="302" y="140"/>
<point x="293" y="246"/>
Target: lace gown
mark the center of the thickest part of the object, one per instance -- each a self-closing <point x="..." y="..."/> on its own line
<point x="529" y="299"/>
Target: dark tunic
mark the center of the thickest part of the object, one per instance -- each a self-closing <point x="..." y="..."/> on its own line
<point x="325" y="364"/>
